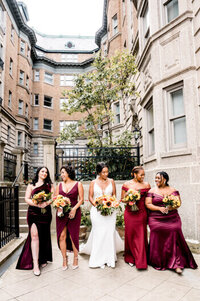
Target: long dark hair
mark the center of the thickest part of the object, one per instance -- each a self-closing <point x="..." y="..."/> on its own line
<point x="71" y="172"/>
<point x="46" y="181"/>
<point x="165" y="176"/>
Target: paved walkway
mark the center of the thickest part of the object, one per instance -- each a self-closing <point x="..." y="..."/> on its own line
<point x="84" y="284"/>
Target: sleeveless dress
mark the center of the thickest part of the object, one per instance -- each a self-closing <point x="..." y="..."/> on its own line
<point x="42" y="222"/>
<point x="136" y="232"/>
<point x="167" y="246"/>
<point x="73" y="225"/>
<point x="104" y="241"/>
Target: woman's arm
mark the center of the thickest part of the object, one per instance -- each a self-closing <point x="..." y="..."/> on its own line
<point x="150" y="206"/>
<point x="91" y="193"/>
<point x="28" y="199"/>
<point x="80" y="202"/>
<point x="114" y="187"/>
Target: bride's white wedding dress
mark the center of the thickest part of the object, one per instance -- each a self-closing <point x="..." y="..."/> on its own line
<point x="104" y="241"/>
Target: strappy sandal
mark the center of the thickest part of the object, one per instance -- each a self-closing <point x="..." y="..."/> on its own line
<point x="65" y="263"/>
<point x="74" y="267"/>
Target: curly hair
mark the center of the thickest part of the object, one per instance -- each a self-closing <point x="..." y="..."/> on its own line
<point x="70" y="171"/>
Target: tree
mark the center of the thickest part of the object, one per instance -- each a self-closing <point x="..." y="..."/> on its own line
<point x="94" y="94"/>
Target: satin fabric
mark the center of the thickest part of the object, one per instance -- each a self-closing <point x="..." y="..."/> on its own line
<point x="167" y="246"/>
<point x="73" y="225"/>
<point x="136" y="233"/>
<point x="42" y="222"/>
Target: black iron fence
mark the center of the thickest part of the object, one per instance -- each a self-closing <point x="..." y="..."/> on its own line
<point x="10" y="162"/>
<point x="9" y="214"/>
<point x="120" y="160"/>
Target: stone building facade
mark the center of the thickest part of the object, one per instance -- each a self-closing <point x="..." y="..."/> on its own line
<point x="35" y="69"/>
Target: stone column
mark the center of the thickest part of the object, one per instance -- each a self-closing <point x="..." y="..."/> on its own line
<point x="59" y="152"/>
<point x="19" y="153"/>
<point x="49" y="157"/>
<point x="2" y="145"/>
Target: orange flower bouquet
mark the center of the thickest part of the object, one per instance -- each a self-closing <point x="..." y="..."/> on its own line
<point x="131" y="198"/>
<point x="107" y="204"/>
<point x="41" y="197"/>
<point x="63" y="203"/>
<point x="172" y="200"/>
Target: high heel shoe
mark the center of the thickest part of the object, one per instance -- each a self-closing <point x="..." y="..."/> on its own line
<point x="74" y="267"/>
<point x="36" y="270"/>
<point x="65" y="263"/>
<point x="179" y="271"/>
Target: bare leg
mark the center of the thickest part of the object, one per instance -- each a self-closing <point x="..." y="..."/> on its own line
<point x="35" y="249"/>
<point x="63" y="247"/>
<point x="75" y="261"/>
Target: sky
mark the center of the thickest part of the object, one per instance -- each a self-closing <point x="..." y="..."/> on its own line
<point x="65" y="17"/>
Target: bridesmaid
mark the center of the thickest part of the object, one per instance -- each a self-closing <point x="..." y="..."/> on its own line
<point x="68" y="226"/>
<point x="136" y="221"/>
<point x="37" y="249"/>
<point x="167" y="247"/>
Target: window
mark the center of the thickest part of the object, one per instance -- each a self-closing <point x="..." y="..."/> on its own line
<point x="10" y="99"/>
<point x="171" y="9"/>
<point x="28" y="52"/>
<point x="37" y="75"/>
<point x="67" y="80"/>
<point x="123" y="8"/>
<point x="12" y="33"/>
<point x="114" y="24"/>
<point x="63" y="101"/>
<point x="35" y="123"/>
<point x="47" y="125"/>
<point x="9" y="132"/>
<point x="35" y="170"/>
<point x="1" y="16"/>
<point x="117" y="112"/>
<point x="20" y="107"/>
<point x="69" y="57"/>
<point x="36" y="99"/>
<point x="177" y="118"/>
<point x="21" y="77"/>
<point x="26" y="111"/>
<point x="19" y="139"/>
<point x="26" y="141"/>
<point x="48" y="78"/>
<point x="65" y="123"/>
<point x="11" y="67"/>
<point x="48" y="101"/>
<point x="145" y="19"/>
<point x="35" y="148"/>
<point x="27" y="81"/>
<point x="150" y="128"/>
<point x="22" y="47"/>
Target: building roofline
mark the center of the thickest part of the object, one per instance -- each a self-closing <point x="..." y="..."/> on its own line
<point x="62" y="36"/>
<point x="103" y="30"/>
<point x="66" y="51"/>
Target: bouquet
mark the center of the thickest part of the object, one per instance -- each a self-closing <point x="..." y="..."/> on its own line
<point x="41" y="197"/>
<point x="131" y="199"/>
<point x="62" y="202"/>
<point x="106" y="204"/>
<point x="172" y="201"/>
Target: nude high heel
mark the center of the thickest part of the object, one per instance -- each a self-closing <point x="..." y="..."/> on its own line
<point x="37" y="272"/>
<point x="74" y="267"/>
<point x="65" y="263"/>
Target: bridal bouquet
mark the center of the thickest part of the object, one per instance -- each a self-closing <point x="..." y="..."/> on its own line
<point x="63" y="203"/>
<point x="172" y="201"/>
<point x="106" y="204"/>
<point x="40" y="197"/>
<point x="131" y="198"/>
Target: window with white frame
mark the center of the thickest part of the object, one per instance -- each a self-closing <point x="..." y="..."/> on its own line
<point x="48" y="78"/>
<point x="19" y="139"/>
<point x="171" y="9"/>
<point x="11" y="67"/>
<point x="67" y="80"/>
<point x="9" y="134"/>
<point x="114" y="25"/>
<point x="35" y="123"/>
<point x="22" y="47"/>
<point x="20" y="107"/>
<point x="145" y="21"/>
<point x="64" y="123"/>
<point x="150" y="128"/>
<point x="12" y="33"/>
<point x="177" y="118"/>
<point x="27" y="81"/>
<point x="62" y="102"/>
<point x="28" y="52"/>
<point x="10" y="99"/>
<point x="26" y="111"/>
<point x="48" y="101"/>
<point x="37" y="75"/>
<point x="117" y="112"/>
<point x="47" y="125"/>
<point x="21" y="77"/>
<point x="69" y="57"/>
<point x="35" y="148"/>
<point x="36" y="99"/>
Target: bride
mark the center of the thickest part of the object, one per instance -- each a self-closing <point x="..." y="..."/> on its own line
<point x="104" y="241"/>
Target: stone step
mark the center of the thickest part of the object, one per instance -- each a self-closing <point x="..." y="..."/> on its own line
<point x="22" y="213"/>
<point x="22" y="194"/>
<point x="22" y="220"/>
<point x="23" y="206"/>
<point x="23" y="228"/>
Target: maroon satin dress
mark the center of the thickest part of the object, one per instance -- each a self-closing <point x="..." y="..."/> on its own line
<point x="136" y="232"/>
<point x="167" y="246"/>
<point x="42" y="222"/>
<point x="73" y="225"/>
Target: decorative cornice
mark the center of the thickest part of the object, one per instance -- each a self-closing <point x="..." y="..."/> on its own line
<point x="103" y="30"/>
<point x="66" y="51"/>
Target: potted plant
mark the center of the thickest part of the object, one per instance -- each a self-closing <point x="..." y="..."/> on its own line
<point x="85" y="223"/>
<point x="120" y="224"/>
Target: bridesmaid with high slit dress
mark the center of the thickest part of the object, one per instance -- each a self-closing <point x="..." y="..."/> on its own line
<point x="37" y="250"/>
<point x="68" y="226"/>
<point x="136" y="222"/>
<point x="167" y="246"/>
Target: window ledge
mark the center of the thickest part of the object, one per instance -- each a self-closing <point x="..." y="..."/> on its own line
<point x="24" y="87"/>
<point x="51" y="84"/>
<point x="150" y="159"/>
<point x="114" y="36"/>
<point x="47" y="107"/>
<point x="176" y="153"/>
<point x="50" y="131"/>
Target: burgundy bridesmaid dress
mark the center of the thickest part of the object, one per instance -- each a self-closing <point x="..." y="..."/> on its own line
<point x="167" y="247"/>
<point x="42" y="222"/>
<point x="136" y="233"/>
<point x="73" y="225"/>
